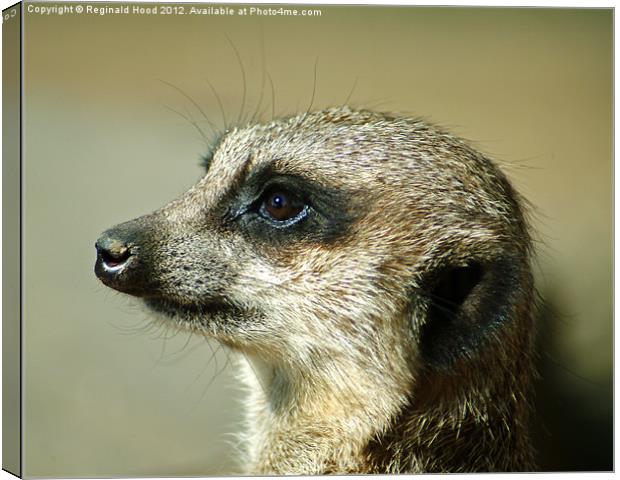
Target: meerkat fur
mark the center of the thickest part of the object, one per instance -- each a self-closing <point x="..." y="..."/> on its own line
<point x="384" y="323"/>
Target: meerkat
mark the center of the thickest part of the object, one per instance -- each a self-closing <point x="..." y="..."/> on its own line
<point x="375" y="273"/>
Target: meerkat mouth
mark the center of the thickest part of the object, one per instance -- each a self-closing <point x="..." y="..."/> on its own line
<point x="185" y="311"/>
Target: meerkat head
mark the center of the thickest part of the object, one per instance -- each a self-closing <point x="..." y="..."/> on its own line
<point x="334" y="238"/>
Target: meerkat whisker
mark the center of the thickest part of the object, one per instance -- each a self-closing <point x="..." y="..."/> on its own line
<point x="350" y="95"/>
<point x="193" y="123"/>
<point x="314" y="77"/>
<point x="253" y="117"/>
<point x="219" y="104"/>
<point x="243" y="78"/>
<point x="194" y="103"/>
<point x="273" y="97"/>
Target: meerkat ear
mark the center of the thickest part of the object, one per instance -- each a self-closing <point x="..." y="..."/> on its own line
<point x="466" y="304"/>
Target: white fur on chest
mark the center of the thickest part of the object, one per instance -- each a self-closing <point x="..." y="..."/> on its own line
<point x="257" y="376"/>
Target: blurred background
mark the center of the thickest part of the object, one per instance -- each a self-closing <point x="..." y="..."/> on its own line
<point x="107" y="139"/>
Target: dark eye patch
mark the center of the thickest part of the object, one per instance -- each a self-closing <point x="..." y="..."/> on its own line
<point x="325" y="213"/>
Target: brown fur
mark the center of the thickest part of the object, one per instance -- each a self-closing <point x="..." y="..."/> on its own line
<point x="353" y="363"/>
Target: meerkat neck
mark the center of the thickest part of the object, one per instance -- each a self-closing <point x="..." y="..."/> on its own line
<point x="303" y="426"/>
<point x="453" y="427"/>
<point x="468" y="432"/>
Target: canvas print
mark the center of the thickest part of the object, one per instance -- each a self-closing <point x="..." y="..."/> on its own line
<point x="258" y="239"/>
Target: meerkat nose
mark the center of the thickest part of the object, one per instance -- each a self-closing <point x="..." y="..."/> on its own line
<point x="122" y="261"/>
<point x="113" y="254"/>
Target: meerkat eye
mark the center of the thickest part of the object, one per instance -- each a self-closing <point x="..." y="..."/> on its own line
<point x="280" y="205"/>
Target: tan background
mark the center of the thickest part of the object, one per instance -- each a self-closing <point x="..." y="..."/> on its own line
<point x="532" y="88"/>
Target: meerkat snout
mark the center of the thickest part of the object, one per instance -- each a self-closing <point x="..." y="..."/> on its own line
<point x="373" y="270"/>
